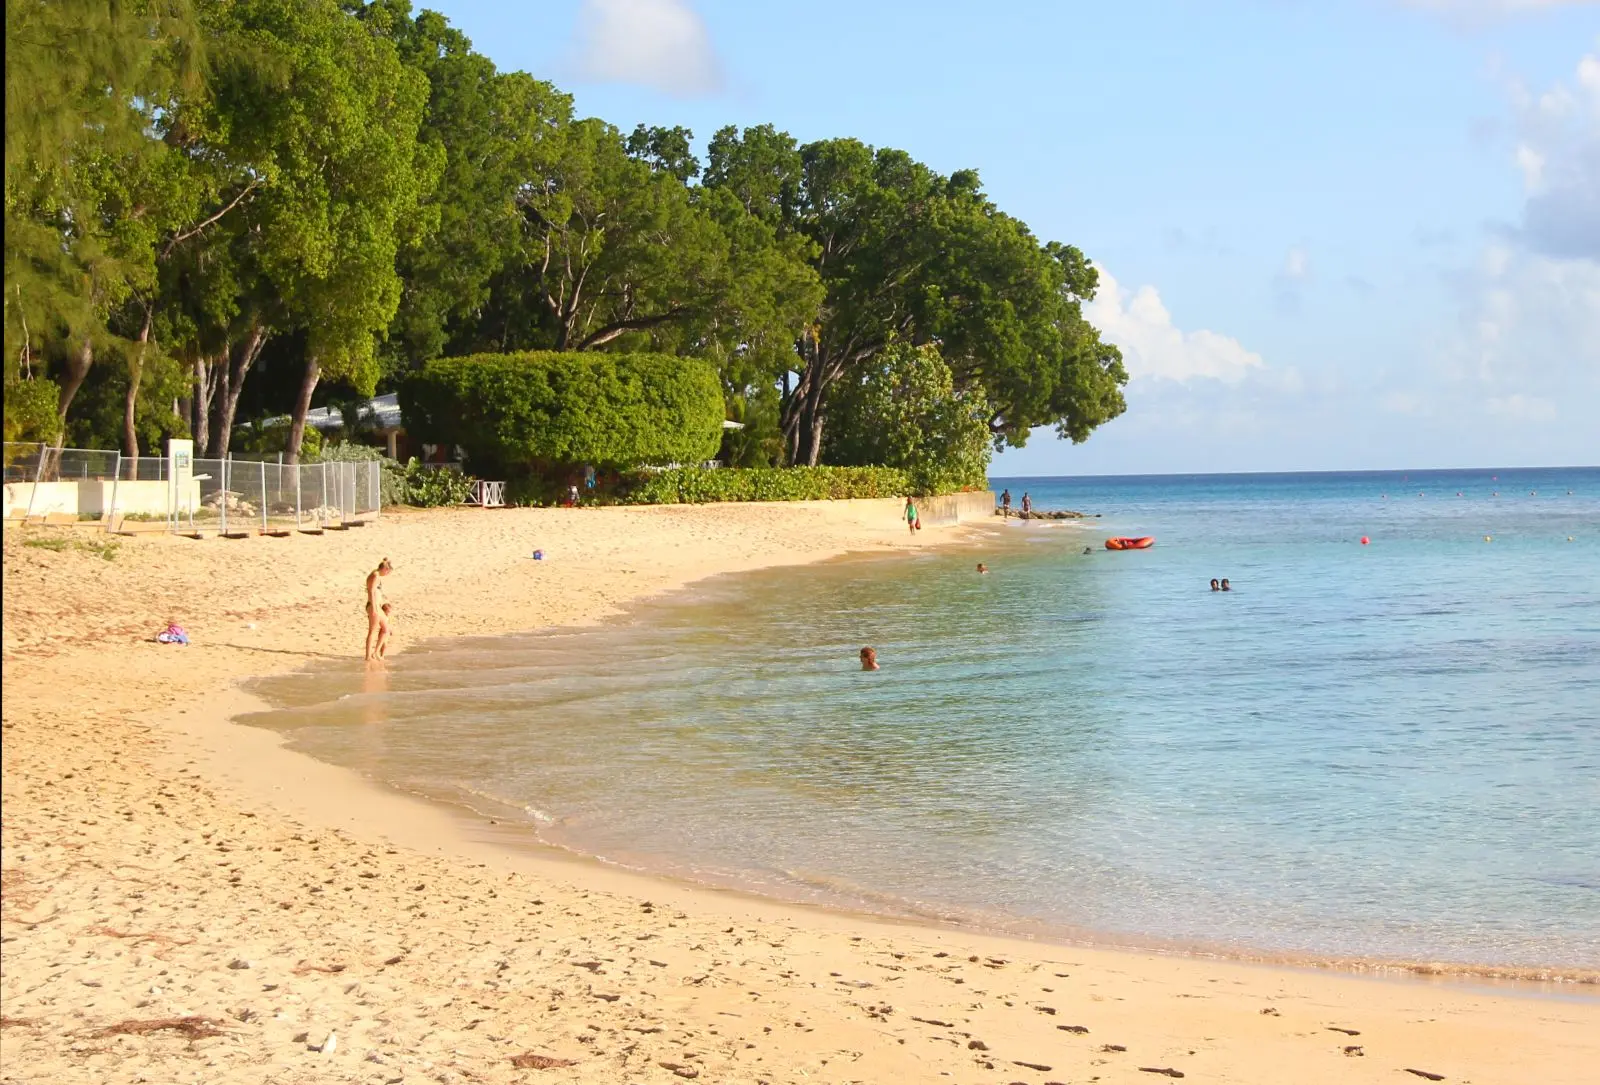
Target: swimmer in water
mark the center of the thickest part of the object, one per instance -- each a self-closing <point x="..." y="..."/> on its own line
<point x="1215" y="586"/>
<point x="1225" y="585"/>
<point x="982" y="568"/>
<point x="869" y="659"/>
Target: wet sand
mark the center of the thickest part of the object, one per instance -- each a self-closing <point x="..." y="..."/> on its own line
<point x="185" y="900"/>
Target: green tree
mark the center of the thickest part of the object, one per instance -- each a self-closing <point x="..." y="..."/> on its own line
<point x="497" y="134"/>
<point x="906" y="254"/>
<point x="902" y="410"/>
<point x="86" y="192"/>
<point x="668" y="150"/>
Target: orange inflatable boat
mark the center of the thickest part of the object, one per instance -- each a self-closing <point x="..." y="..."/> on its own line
<point x="1143" y="542"/>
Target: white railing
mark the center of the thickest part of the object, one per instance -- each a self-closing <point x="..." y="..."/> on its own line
<point x="489" y="495"/>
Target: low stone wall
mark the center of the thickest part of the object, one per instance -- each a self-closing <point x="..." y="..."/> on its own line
<point x="956" y="508"/>
<point x="92" y="498"/>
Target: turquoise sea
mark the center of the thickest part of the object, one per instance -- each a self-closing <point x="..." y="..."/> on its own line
<point x="1382" y="751"/>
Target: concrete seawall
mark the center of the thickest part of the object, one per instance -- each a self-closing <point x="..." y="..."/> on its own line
<point x="956" y="508"/>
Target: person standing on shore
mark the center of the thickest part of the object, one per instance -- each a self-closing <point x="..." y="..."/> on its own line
<point x="1027" y="503"/>
<point x="912" y="520"/>
<point x="1005" y="501"/>
<point x="377" y="618"/>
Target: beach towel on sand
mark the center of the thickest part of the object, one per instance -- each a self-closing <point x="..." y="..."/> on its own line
<point x="173" y="634"/>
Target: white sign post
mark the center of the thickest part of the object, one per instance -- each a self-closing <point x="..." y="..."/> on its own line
<point x="180" y="476"/>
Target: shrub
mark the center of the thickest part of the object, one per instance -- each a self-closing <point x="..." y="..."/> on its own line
<point x="513" y="413"/>
<point x="391" y="477"/>
<point x="429" y="487"/>
<point x="697" y="485"/>
<point x="409" y="483"/>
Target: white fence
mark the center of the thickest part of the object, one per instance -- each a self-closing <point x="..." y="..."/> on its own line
<point x="228" y="497"/>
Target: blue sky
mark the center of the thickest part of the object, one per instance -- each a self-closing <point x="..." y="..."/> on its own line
<point x="1333" y="234"/>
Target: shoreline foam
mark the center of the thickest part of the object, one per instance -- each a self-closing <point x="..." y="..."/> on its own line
<point x="161" y="867"/>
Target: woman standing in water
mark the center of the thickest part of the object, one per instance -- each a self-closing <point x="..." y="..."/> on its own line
<point x="377" y="619"/>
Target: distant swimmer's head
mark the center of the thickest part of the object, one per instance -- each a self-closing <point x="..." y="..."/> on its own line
<point x="869" y="659"/>
<point x="982" y="568"/>
<point x="1225" y="585"/>
<point x="1215" y="584"/>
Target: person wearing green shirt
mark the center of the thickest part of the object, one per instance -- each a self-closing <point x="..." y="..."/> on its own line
<point x="913" y="521"/>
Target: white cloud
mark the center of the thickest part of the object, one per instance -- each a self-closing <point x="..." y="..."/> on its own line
<point x="1526" y="352"/>
<point x="1558" y="152"/>
<point x="1153" y="348"/>
<point x="662" y="44"/>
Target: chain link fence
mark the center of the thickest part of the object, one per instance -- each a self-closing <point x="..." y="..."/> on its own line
<point x="230" y="497"/>
<point x="245" y="497"/>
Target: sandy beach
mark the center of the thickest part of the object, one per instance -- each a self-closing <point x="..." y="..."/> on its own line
<point x="186" y="901"/>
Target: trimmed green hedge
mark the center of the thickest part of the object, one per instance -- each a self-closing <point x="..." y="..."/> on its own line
<point x="698" y="485"/>
<point x="518" y="412"/>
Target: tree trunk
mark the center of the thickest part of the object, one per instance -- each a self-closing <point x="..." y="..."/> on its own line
<point x="241" y="356"/>
<point x="77" y="369"/>
<point x="205" y="391"/>
<point x="302" y="407"/>
<point x="803" y="415"/>
<point x="130" y="401"/>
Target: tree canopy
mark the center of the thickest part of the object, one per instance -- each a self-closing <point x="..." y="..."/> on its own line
<point x="320" y="197"/>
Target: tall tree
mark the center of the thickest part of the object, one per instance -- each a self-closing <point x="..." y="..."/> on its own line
<point x="496" y="133"/>
<point x="908" y="255"/>
<point x="86" y="83"/>
<point x="323" y="117"/>
<point x="616" y="250"/>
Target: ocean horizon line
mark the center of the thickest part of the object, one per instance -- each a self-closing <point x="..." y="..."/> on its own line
<point x="1320" y="472"/>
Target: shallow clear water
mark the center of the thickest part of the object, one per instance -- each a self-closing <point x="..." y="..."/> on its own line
<point x="1389" y="750"/>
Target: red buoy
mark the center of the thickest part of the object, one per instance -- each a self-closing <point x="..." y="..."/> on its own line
<point x="1365" y="540"/>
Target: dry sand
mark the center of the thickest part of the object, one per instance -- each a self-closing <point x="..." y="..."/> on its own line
<point x="185" y="901"/>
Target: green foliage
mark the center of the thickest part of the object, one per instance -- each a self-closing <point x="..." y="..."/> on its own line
<point x="760" y="442"/>
<point x="516" y="412"/>
<point x="391" y="477"/>
<point x="902" y="411"/>
<point x="30" y="409"/>
<point x="349" y="183"/>
<point x="496" y="132"/>
<point x="429" y="487"/>
<point x="409" y="483"/>
<point x="98" y="409"/>
<point x="272" y="437"/>
<point x="701" y="485"/>
<point x="907" y="254"/>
